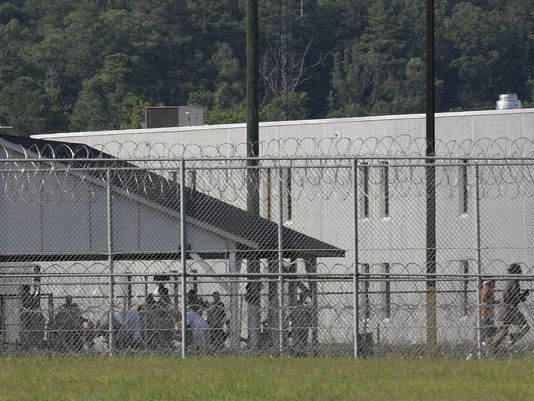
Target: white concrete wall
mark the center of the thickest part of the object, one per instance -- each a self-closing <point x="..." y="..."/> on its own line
<point x="71" y="217"/>
<point x="215" y="140"/>
<point x="324" y="211"/>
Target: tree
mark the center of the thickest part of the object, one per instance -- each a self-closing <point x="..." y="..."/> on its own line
<point x="288" y="56"/>
<point x="24" y="106"/>
<point x="381" y="73"/>
<point x="106" y="101"/>
<point x="318" y="58"/>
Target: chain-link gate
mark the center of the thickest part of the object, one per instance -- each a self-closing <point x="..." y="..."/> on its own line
<point x="160" y="256"/>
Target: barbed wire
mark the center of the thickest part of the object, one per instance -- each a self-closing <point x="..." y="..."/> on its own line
<point x="43" y="172"/>
<point x="47" y="181"/>
<point x="225" y="177"/>
<point x="403" y="145"/>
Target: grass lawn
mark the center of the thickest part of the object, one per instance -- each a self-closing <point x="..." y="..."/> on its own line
<point x="155" y="379"/>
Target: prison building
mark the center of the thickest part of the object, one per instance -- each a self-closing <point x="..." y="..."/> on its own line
<point x="483" y="214"/>
<point x="76" y="221"/>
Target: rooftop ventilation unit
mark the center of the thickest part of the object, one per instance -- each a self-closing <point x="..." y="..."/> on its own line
<point x="508" y="101"/>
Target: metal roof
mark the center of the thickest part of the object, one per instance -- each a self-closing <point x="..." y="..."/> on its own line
<point x="268" y="124"/>
<point x="214" y="212"/>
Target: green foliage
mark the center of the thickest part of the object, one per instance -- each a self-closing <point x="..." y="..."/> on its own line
<point x="105" y="100"/>
<point x="229" y="115"/>
<point x="79" y="65"/>
<point x="84" y="378"/>
<point x="137" y="116"/>
<point x="24" y="105"/>
<point x="292" y="106"/>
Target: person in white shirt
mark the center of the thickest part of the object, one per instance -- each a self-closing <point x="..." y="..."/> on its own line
<point x="199" y="329"/>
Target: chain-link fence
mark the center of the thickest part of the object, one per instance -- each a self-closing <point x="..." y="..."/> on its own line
<point x="266" y="256"/>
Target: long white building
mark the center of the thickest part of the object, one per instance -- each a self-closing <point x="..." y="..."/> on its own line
<point x="318" y="201"/>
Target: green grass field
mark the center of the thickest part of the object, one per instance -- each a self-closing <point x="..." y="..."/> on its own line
<point x="155" y="379"/>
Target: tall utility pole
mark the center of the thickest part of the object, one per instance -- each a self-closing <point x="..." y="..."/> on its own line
<point x="430" y="170"/>
<point x="253" y="198"/>
<point x="252" y="82"/>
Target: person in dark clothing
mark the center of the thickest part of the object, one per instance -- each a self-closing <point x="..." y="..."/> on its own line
<point x="511" y="315"/>
<point x="195" y="302"/>
<point x="300" y="320"/>
<point x="165" y="321"/>
<point x="147" y="313"/>
<point x="32" y="320"/>
<point x="217" y="320"/>
<point x="68" y="324"/>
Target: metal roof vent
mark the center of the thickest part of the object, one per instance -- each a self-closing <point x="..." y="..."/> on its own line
<point x="508" y="101"/>
<point x="173" y="116"/>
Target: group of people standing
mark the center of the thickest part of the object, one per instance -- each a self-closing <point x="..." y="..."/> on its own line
<point x="154" y="325"/>
<point x="64" y="331"/>
<point x="207" y="323"/>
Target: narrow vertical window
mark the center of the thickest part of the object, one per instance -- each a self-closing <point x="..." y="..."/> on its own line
<point x="269" y="195"/>
<point x="464" y="266"/>
<point x="366" y="285"/>
<point x="387" y="291"/>
<point x="384" y="188"/>
<point x="289" y="197"/>
<point x="463" y="192"/>
<point x="287" y="194"/>
<point x="37" y="279"/>
<point x="364" y="206"/>
<point x="192" y="175"/>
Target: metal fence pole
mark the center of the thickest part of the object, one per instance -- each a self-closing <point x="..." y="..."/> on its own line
<point x="478" y="260"/>
<point x="183" y="257"/>
<point x="355" y="276"/>
<point x="280" y="262"/>
<point x="110" y="259"/>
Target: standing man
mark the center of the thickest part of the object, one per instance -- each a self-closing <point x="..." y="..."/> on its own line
<point x="69" y="323"/>
<point x="511" y="315"/>
<point x="148" y="316"/>
<point x="217" y="319"/>
<point x="300" y="320"/>
<point x="32" y="320"/>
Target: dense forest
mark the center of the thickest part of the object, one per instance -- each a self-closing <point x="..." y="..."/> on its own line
<point x="95" y="64"/>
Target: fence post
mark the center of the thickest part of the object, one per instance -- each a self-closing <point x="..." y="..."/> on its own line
<point x="280" y="262"/>
<point x="234" y="267"/>
<point x="478" y="260"/>
<point x="183" y="257"/>
<point x="355" y="276"/>
<point x="110" y="259"/>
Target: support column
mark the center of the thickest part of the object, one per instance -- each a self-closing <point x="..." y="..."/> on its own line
<point x="273" y="311"/>
<point x="311" y="268"/>
<point x="183" y="256"/>
<point x="478" y="260"/>
<point x="280" y="269"/>
<point x="253" y="303"/>
<point x="356" y="277"/>
<point x="292" y="294"/>
<point x="234" y="267"/>
<point x="293" y="284"/>
<point x="109" y="230"/>
<point x="253" y="182"/>
<point x="430" y="174"/>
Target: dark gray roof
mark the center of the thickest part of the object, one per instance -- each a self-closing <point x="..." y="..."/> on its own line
<point x="200" y="206"/>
